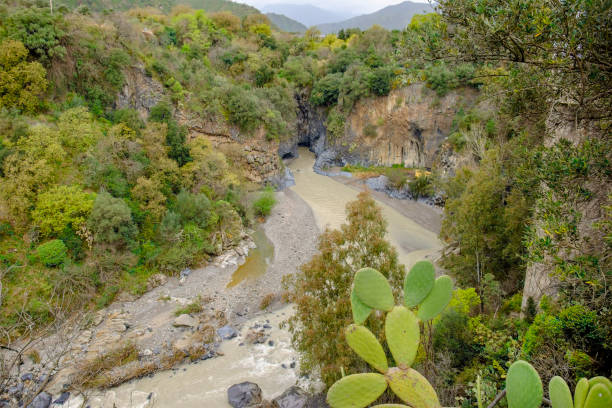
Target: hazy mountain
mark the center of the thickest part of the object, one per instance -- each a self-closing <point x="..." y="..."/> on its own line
<point x="285" y="23"/>
<point x="306" y="14"/>
<point x="392" y="17"/>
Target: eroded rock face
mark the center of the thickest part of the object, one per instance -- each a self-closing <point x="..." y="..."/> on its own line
<point x="140" y="91"/>
<point x="244" y="395"/>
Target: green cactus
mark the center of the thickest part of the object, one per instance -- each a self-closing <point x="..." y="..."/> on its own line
<point x="373" y="290"/>
<point x="365" y="344"/>
<point x="580" y="393"/>
<point x="403" y="335"/>
<point x="361" y="312"/>
<point x="523" y="386"/>
<point x="599" y="397"/>
<point x="412" y="388"/>
<point x="600" y="380"/>
<point x="560" y="394"/>
<point x="437" y="299"/>
<point x="418" y="283"/>
<point x="357" y="390"/>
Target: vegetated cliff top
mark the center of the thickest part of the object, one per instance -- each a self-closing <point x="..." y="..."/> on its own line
<point x="238" y="9"/>
<point x="395" y="17"/>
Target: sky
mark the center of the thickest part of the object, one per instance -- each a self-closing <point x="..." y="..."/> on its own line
<point x="352" y="6"/>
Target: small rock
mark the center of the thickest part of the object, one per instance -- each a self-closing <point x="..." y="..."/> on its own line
<point x="292" y="365"/>
<point x="27" y="377"/>
<point x="293" y="397"/>
<point x="42" y="400"/>
<point x="185" y="272"/>
<point x="227" y="332"/>
<point x="62" y="398"/>
<point x="267" y="326"/>
<point x="270" y="343"/>
<point x="185" y="320"/>
<point x="146" y="352"/>
<point x="244" y="395"/>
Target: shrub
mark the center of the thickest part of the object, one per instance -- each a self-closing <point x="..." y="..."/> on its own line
<point x="111" y="221"/>
<point x="335" y="124"/>
<point x="263" y="205"/>
<point x="38" y="30"/>
<point x="52" y="253"/>
<point x="397" y="178"/>
<point x="439" y="78"/>
<point x="326" y="90"/>
<point x="193" y="307"/>
<point x="194" y="208"/>
<point x="62" y="207"/>
<point x="379" y="81"/>
<point x="242" y="108"/>
<point x="421" y="186"/>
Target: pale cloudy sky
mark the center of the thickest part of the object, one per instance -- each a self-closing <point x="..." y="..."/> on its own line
<point x="353" y="6"/>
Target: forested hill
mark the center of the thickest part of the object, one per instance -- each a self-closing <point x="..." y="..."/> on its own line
<point x="394" y="17"/>
<point x="236" y="8"/>
<point x="286" y="24"/>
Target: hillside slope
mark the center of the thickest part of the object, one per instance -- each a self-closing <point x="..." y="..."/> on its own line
<point x="285" y="23"/>
<point x="238" y="9"/>
<point x="306" y="14"/>
<point x="394" y="17"/>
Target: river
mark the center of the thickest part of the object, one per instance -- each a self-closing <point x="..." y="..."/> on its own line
<point x="205" y="384"/>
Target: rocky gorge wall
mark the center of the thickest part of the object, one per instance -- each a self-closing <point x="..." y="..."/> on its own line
<point x="407" y="127"/>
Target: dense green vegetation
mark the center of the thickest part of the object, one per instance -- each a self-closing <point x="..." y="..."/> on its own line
<point x="96" y="198"/>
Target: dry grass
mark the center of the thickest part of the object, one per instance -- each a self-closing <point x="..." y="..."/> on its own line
<point x="97" y="372"/>
<point x="267" y="300"/>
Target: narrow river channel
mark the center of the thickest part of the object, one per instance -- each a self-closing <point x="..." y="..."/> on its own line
<point x="205" y="384"/>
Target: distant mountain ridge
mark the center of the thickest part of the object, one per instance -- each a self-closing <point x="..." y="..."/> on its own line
<point x="285" y="23"/>
<point x="306" y="14"/>
<point x="394" y="17"/>
<point x="211" y="6"/>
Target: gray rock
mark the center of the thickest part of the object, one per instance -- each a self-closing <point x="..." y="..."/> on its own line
<point x="227" y="332"/>
<point x="185" y="320"/>
<point x="27" y="377"/>
<point x="244" y="395"/>
<point x="62" y="398"/>
<point x="293" y="397"/>
<point x="42" y="400"/>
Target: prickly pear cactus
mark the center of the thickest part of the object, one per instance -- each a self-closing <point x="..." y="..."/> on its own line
<point x="360" y="311"/>
<point x="356" y="391"/>
<point x="523" y="386"/>
<point x="412" y="388"/>
<point x="373" y="290"/>
<point x="580" y="393"/>
<point x="600" y="380"/>
<point x="437" y="299"/>
<point x="366" y="345"/>
<point x="560" y="394"/>
<point x="403" y="335"/>
<point x="418" y="283"/>
<point x="599" y="396"/>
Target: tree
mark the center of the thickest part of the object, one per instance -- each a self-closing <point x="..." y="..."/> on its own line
<point x="61" y="207"/>
<point x="327" y="90"/>
<point x="21" y="82"/>
<point x="111" y="221"/>
<point x="321" y="289"/>
<point x="38" y="30"/>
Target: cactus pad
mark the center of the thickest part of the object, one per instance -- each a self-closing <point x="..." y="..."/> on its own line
<point x="418" y="283"/>
<point x="356" y="391"/>
<point x="523" y="386"/>
<point x="560" y="394"/>
<point x="580" y="392"/>
<point x="412" y="388"/>
<point x="360" y="311"/>
<point x="365" y="344"/>
<point x="600" y="380"/>
<point x="437" y="299"/>
<point x="599" y="397"/>
<point x="403" y="334"/>
<point x="372" y="288"/>
<point x="391" y="406"/>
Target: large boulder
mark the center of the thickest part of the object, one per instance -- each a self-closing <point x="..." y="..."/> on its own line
<point x="42" y="400"/>
<point x="293" y="397"/>
<point x="244" y="395"/>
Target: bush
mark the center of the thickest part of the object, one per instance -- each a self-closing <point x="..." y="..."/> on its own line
<point x="439" y="78"/>
<point x="242" y="108"/>
<point x="379" y="81"/>
<point x="263" y="205"/>
<point x="52" y="253"/>
<point x="397" y="178"/>
<point x="421" y="186"/>
<point x="326" y="90"/>
<point x="194" y="208"/>
<point x="111" y="221"/>
<point x="62" y="207"/>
